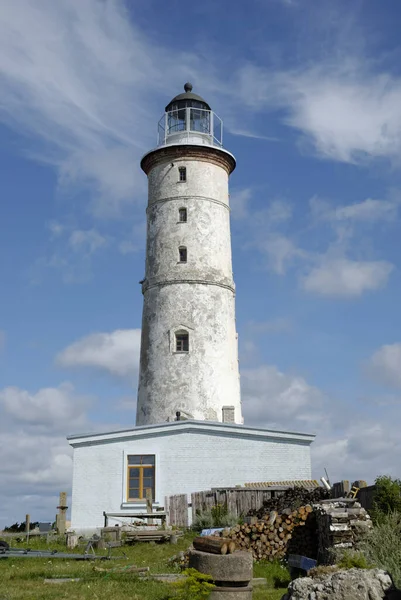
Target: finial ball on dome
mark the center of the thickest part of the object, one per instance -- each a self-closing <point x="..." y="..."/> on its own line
<point x="188" y="87"/>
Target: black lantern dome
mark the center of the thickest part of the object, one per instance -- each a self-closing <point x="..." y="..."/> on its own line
<point x="187" y="100"/>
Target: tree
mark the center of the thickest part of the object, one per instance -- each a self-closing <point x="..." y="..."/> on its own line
<point x="387" y="496"/>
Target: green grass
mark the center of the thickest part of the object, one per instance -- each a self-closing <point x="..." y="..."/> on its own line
<point x="23" y="578"/>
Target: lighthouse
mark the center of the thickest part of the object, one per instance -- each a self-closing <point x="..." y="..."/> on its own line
<point x="189" y="344"/>
<point x="189" y="434"/>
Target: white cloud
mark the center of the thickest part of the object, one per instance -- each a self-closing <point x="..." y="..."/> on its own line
<point x="278" y="211"/>
<point x="116" y="352"/>
<point x="281" y="252"/>
<point x="275" y="399"/>
<point x="56" y="229"/>
<point x="278" y="325"/>
<point x="36" y="460"/>
<point x="239" y="203"/>
<point x="86" y="242"/>
<point x="348" y="112"/>
<point x="367" y="211"/>
<point x="349" y="116"/>
<point x="137" y="240"/>
<point x="48" y="407"/>
<point x="348" y="446"/>
<point x="70" y="253"/>
<point x="346" y="278"/>
<point x="385" y="364"/>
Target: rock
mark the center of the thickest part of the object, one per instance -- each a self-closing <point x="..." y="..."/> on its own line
<point x="352" y="584"/>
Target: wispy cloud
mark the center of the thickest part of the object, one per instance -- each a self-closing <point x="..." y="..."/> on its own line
<point x="70" y="254"/>
<point x="346" y="278"/>
<point x="278" y="325"/>
<point x="385" y="365"/>
<point x="345" y="108"/>
<point x="367" y="211"/>
<point x="82" y="85"/>
<point x="326" y="250"/>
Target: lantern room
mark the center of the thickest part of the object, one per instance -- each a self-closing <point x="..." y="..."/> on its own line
<point x="188" y="119"/>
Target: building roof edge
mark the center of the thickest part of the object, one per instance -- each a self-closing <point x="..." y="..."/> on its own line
<point x="189" y="425"/>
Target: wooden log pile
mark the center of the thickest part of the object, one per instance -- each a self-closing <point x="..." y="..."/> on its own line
<point x="214" y="545"/>
<point x="341" y="523"/>
<point x="268" y="539"/>
<point x="292" y="498"/>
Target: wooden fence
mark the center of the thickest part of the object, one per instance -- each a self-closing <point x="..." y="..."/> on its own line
<point x="177" y="510"/>
<point x="365" y="496"/>
<point x="239" y="501"/>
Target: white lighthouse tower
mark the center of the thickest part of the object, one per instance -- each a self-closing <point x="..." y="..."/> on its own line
<point x="189" y="346"/>
<point x="189" y="434"/>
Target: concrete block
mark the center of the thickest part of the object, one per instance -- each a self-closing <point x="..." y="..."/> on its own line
<point x="235" y="567"/>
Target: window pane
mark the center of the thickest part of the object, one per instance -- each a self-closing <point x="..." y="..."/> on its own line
<point x="148" y="472"/>
<point x="147" y="482"/>
<point x="134" y="459"/>
<point x="133" y="493"/>
<point x="134" y="471"/>
<point x="182" y="342"/>
<point x="148" y="459"/>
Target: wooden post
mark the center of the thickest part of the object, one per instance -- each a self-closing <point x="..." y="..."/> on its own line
<point x="149" y="504"/>
<point x="61" y="518"/>
<point x="27" y="526"/>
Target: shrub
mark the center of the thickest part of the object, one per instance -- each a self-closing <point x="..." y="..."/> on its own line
<point x="196" y="586"/>
<point x="387" y="497"/>
<point x="350" y="559"/>
<point x="203" y="520"/>
<point x="221" y="517"/>
<point x="382" y="547"/>
<point x="217" y="516"/>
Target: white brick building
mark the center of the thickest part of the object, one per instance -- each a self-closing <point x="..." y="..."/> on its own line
<point x="189" y="346"/>
<point x="187" y="456"/>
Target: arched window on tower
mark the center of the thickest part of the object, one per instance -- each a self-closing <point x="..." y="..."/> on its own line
<point x="182" y="174"/>
<point x="182" y="215"/>
<point x="181" y="341"/>
<point x="182" y="252"/>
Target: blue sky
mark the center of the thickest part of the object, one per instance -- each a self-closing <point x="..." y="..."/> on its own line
<point x="309" y="93"/>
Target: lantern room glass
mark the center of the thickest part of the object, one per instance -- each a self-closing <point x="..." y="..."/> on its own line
<point x="190" y="122"/>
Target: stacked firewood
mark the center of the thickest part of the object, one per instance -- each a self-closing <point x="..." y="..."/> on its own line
<point x="269" y="538"/>
<point x="291" y="498"/>
<point x="341" y="523"/>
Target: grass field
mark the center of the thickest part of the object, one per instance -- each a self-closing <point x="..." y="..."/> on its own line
<point x="23" y="579"/>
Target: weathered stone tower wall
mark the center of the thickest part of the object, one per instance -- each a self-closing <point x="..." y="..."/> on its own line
<point x="194" y="297"/>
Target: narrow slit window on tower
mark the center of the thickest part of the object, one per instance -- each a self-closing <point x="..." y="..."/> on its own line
<point x="182" y="254"/>
<point x="182" y="214"/>
<point x="182" y="171"/>
<point x="181" y="341"/>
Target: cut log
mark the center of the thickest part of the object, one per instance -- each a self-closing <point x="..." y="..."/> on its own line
<point x="212" y="545"/>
